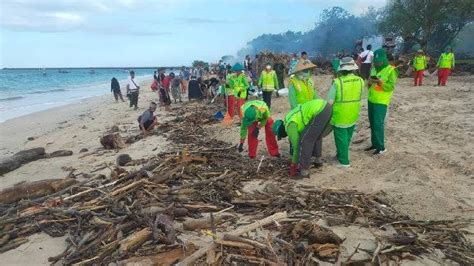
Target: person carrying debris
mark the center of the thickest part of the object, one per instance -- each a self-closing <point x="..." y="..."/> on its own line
<point x="256" y="115"/>
<point x="445" y="66"/>
<point x="301" y="86"/>
<point x="239" y="84"/>
<point x="381" y="86"/>
<point x="419" y="65"/>
<point x="147" y="121"/>
<point x="305" y="125"/>
<point x="268" y="82"/>
<point x="345" y="95"/>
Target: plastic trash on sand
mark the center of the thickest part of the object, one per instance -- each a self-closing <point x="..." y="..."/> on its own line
<point x="283" y="92"/>
<point x="219" y="116"/>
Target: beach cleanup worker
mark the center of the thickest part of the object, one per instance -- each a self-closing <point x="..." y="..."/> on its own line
<point x="445" y="66"/>
<point x="268" y="82"/>
<point x="115" y="89"/>
<point x="420" y="64"/>
<point x="239" y="84"/>
<point x="256" y="115"/>
<point x="345" y="96"/>
<point x="381" y="86"/>
<point x="229" y="93"/>
<point x="147" y="121"/>
<point x="133" y="90"/>
<point x="301" y="86"/>
<point x="305" y="125"/>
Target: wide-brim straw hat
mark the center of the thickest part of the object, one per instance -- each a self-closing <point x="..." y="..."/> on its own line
<point x="303" y="65"/>
<point x="348" y="64"/>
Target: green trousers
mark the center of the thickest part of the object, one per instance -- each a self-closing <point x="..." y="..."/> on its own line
<point x="377" y="113"/>
<point x="342" y="137"/>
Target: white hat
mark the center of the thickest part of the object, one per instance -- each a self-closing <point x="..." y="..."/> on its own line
<point x="347" y="63"/>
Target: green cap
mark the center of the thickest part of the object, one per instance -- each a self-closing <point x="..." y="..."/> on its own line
<point x="238" y="67"/>
<point x="380" y="55"/>
<point x="250" y="116"/>
<point x="278" y="129"/>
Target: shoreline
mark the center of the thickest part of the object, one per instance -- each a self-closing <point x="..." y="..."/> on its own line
<point x="41" y="123"/>
<point x="72" y="94"/>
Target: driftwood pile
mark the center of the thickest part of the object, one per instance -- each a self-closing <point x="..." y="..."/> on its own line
<point x="189" y="205"/>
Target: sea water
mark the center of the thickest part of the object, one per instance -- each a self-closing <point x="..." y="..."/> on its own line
<point x="24" y="91"/>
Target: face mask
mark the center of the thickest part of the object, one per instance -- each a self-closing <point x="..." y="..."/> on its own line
<point x="304" y="74"/>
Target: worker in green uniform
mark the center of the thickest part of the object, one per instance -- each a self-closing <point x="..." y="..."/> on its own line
<point x="420" y="63"/>
<point x="345" y="95"/>
<point x="301" y="86"/>
<point x="381" y="86"/>
<point x="239" y="84"/>
<point x="268" y="82"/>
<point x="256" y="115"/>
<point x="305" y="126"/>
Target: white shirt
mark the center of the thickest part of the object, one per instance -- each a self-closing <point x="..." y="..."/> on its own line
<point x="132" y="84"/>
<point x="369" y="54"/>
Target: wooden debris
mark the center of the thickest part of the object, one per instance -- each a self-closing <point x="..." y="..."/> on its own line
<point x="20" y="158"/>
<point x="34" y="189"/>
<point x="112" y="141"/>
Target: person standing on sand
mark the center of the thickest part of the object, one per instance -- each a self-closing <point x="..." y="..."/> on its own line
<point x="176" y="88"/>
<point x="194" y="90"/>
<point x="268" y="82"/>
<point x="305" y="126"/>
<point x="256" y="115"/>
<point x="419" y="65"/>
<point x="239" y="85"/>
<point x="445" y="66"/>
<point x="381" y="86"/>
<point x="115" y="89"/>
<point x="366" y="58"/>
<point x="133" y="90"/>
<point x="301" y="86"/>
<point x="293" y="61"/>
<point x="345" y="95"/>
<point x="147" y="121"/>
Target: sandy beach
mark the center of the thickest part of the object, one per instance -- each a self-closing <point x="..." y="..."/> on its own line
<point x="427" y="173"/>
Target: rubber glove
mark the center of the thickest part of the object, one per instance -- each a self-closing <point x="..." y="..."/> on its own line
<point x="293" y="170"/>
<point x="240" y="147"/>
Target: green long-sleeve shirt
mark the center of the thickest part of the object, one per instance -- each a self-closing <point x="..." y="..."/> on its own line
<point x="294" y="137"/>
<point x="261" y="117"/>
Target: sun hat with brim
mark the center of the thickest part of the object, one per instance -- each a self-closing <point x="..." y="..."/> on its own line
<point x="238" y="67"/>
<point x="348" y="64"/>
<point x="420" y="51"/>
<point x="250" y="116"/>
<point x="278" y="129"/>
<point x="303" y="65"/>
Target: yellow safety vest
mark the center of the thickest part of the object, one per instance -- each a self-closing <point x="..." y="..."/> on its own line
<point x="346" y="108"/>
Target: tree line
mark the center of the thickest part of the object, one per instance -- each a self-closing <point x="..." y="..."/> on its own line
<point x="431" y="25"/>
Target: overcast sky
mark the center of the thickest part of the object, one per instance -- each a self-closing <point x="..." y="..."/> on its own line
<point x="75" y="33"/>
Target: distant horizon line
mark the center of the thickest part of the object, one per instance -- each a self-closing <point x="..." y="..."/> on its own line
<point x="60" y="68"/>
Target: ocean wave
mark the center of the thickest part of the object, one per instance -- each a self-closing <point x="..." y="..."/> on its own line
<point x="11" y="98"/>
<point x="48" y="91"/>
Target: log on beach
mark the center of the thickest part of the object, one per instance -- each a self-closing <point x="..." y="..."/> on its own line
<point x="112" y="141"/>
<point x="20" y="158"/>
<point x="34" y="189"/>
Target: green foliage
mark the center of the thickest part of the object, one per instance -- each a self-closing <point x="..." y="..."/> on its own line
<point x="336" y="30"/>
<point x="432" y="24"/>
<point x="200" y="63"/>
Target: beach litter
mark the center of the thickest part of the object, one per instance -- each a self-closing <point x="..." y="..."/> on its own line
<point x="189" y="206"/>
